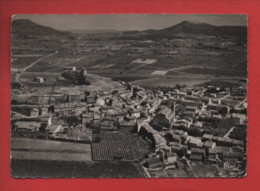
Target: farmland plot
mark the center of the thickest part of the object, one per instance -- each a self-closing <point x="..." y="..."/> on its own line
<point x="121" y="146"/>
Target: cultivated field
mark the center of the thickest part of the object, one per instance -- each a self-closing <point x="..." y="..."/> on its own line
<point x="120" y="146"/>
<point x="169" y="81"/>
<point x="65" y="169"/>
<point x="22" y="62"/>
<point x="204" y="171"/>
<point x="35" y="149"/>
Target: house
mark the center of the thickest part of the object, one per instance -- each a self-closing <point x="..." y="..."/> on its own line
<point x="134" y="113"/>
<point x="197" y="104"/>
<point x="224" y="141"/>
<point x="87" y="118"/>
<point x="196" y="157"/>
<point x="188" y="114"/>
<point x="241" y="117"/>
<point x="91" y="100"/>
<point x="185" y="122"/>
<point x="212" y="156"/>
<point x="100" y="101"/>
<point x="217" y="107"/>
<point x="238" y="143"/>
<point x="44" y="110"/>
<point x="97" y="118"/>
<point x="130" y="123"/>
<point x="197" y="124"/>
<point x="34" y="112"/>
<point x="174" y="137"/>
<point x="172" y="158"/>
<point x="108" y="125"/>
<point x="164" y="117"/>
<point x="80" y="133"/>
<point x="27" y="126"/>
<point x="52" y="128"/>
<point x="206" y="137"/>
<point x="191" y="109"/>
<point x="198" y="99"/>
<point x="201" y="145"/>
<point x="154" y="163"/>
<point x="38" y="79"/>
<point x="193" y="142"/>
<point x="175" y="149"/>
<point x="210" y="144"/>
<point x="180" y="132"/>
<point x="174" y="144"/>
<point x="197" y="154"/>
<point x="230" y="102"/>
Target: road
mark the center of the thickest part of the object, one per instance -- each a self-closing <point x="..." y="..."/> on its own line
<point x="230" y="130"/>
<point x="195" y="175"/>
<point x="31" y="65"/>
<point x="28" y="117"/>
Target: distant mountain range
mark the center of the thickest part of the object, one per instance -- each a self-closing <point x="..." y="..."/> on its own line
<point x="92" y="31"/>
<point x="27" y="27"/>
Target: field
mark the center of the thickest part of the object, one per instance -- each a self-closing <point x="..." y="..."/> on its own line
<point x="198" y="65"/>
<point x="221" y="83"/>
<point x="35" y="149"/>
<point x="216" y="71"/>
<point x="126" y="78"/>
<point x="65" y="169"/>
<point x="121" y="146"/>
<point x="58" y="62"/>
<point x="177" y="173"/>
<point x="204" y="171"/>
<point x="169" y="81"/>
<point x="22" y="62"/>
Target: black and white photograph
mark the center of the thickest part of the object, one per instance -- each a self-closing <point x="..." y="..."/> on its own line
<point x="129" y="96"/>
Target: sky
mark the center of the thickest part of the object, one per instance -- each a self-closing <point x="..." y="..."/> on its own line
<point x="125" y="22"/>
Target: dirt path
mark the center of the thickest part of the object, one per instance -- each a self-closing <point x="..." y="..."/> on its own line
<point x="31" y="65"/>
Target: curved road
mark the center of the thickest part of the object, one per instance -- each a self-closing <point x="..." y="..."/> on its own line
<point x="31" y="65"/>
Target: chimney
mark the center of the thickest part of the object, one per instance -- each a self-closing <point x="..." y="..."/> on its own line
<point x="49" y="120"/>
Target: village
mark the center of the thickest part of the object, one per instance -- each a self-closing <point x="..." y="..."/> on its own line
<point x="170" y="133"/>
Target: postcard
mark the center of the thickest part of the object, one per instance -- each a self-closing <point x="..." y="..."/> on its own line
<point x="129" y="96"/>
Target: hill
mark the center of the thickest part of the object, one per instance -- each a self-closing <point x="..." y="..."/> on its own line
<point x="197" y="28"/>
<point x="27" y="27"/>
<point x="95" y="84"/>
<point x="190" y="28"/>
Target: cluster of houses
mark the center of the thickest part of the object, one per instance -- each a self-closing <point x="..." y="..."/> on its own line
<point x="123" y="109"/>
<point x="183" y="135"/>
<point x="171" y="120"/>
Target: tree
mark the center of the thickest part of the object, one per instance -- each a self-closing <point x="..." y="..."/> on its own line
<point x="178" y="86"/>
<point x="72" y="121"/>
<point x="42" y="127"/>
<point x="223" y="111"/>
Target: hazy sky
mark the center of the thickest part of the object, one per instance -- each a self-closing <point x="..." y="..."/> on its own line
<point x="130" y="21"/>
